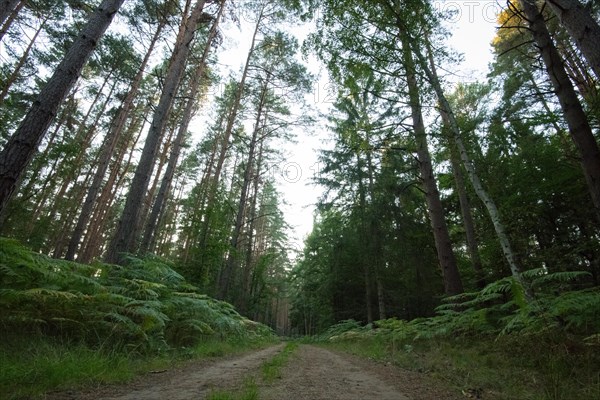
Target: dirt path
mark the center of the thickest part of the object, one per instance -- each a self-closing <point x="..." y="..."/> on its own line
<point x="312" y="373"/>
<point x="192" y="381"/>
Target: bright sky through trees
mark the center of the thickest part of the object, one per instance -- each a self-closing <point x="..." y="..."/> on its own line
<point x="473" y="25"/>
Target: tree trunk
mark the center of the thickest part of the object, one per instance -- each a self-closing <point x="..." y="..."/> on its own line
<point x="69" y="218"/>
<point x="21" y="147"/>
<point x="450" y="120"/>
<point x="450" y="273"/>
<point x="108" y="148"/>
<point x="232" y="258"/>
<point x="84" y="140"/>
<point x="366" y="236"/>
<point x="250" y="245"/>
<point x="7" y="7"/>
<point x="169" y="219"/>
<point x="376" y="250"/>
<point x="368" y="294"/>
<point x="583" y="28"/>
<point x="159" y="164"/>
<point x="148" y="240"/>
<point x="231" y="118"/>
<point x="201" y="206"/>
<point x="17" y="69"/>
<point x="40" y="164"/>
<point x="126" y="235"/>
<point x="380" y="295"/>
<point x="467" y="216"/>
<point x="576" y="119"/>
<point x="95" y="229"/>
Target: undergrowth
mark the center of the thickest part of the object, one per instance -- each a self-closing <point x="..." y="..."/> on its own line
<point x="33" y="366"/>
<point x="498" y="341"/>
<point x="65" y="323"/>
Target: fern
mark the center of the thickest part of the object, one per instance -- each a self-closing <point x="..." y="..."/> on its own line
<point x="145" y="306"/>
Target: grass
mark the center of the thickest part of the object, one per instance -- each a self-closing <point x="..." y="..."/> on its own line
<point x="526" y="368"/>
<point x="33" y="366"/>
<point x="270" y="371"/>
<point x="249" y="391"/>
<point x="220" y="348"/>
<point x="30" y="369"/>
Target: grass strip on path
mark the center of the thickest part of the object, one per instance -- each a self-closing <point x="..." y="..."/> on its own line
<point x="270" y="371"/>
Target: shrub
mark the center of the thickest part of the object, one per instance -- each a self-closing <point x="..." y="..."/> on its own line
<point x="143" y="306"/>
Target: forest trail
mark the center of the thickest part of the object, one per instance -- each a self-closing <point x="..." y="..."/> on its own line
<point x="312" y="373"/>
<point x="194" y="380"/>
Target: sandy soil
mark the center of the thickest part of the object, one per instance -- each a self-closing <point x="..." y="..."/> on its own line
<point x="312" y="373"/>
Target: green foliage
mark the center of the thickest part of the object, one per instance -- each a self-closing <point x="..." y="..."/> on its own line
<point x="248" y="392"/>
<point x="542" y="348"/>
<point x="31" y="366"/>
<point x="143" y="306"/>
<point x="497" y="310"/>
<point x="343" y="330"/>
<point x="34" y="365"/>
<point x="507" y="367"/>
<point x="271" y="369"/>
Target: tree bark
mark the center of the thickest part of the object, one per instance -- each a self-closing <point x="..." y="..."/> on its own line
<point x="148" y="239"/>
<point x="126" y="235"/>
<point x="231" y="118"/>
<point x="251" y="238"/>
<point x="450" y="120"/>
<point x="582" y="27"/>
<point x="576" y="119"/>
<point x="90" y="247"/>
<point x="22" y="146"/>
<point x="5" y="26"/>
<point x="108" y="148"/>
<point x="232" y="258"/>
<point x="7" y="7"/>
<point x="452" y="281"/>
<point x="467" y="216"/>
<point x="17" y="69"/>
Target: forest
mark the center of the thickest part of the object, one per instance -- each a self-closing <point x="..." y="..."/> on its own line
<point x="140" y="218"/>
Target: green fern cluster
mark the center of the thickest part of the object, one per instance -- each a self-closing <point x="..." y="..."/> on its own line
<point x="145" y="305"/>
<point x="559" y="304"/>
<point x="343" y="330"/>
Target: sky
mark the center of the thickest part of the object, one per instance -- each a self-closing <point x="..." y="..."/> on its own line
<point x="473" y="25"/>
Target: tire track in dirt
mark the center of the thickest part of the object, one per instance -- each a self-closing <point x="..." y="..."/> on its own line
<point x="311" y="373"/>
<point x="314" y="373"/>
<point x="196" y="384"/>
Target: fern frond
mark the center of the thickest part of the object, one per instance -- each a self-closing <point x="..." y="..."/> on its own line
<point x="503" y="285"/>
<point x="560" y="277"/>
<point x="40" y="293"/>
